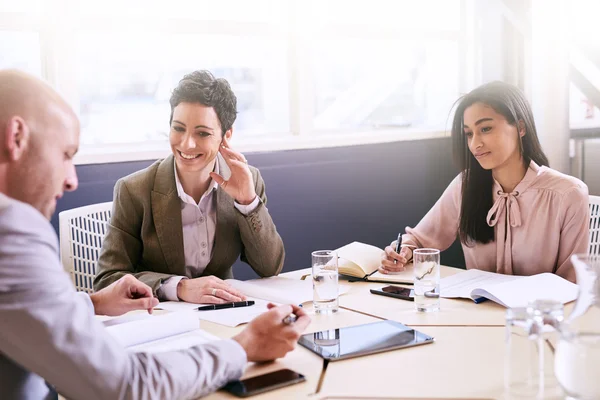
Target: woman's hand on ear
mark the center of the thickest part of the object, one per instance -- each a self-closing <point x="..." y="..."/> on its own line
<point x="240" y="185"/>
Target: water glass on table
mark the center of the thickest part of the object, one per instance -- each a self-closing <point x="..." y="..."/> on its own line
<point x="521" y="367"/>
<point x="427" y="279"/>
<point x="325" y="281"/>
<point x="528" y="366"/>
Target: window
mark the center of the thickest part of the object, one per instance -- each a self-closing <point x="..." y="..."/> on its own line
<point x="370" y="84"/>
<point x="298" y="68"/>
<point x="20" y="50"/>
<point x="125" y="81"/>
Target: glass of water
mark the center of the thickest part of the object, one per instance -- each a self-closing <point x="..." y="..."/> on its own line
<point x="427" y="279"/>
<point x="325" y="281"/>
<point x="520" y="355"/>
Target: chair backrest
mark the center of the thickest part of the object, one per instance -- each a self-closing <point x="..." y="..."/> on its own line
<point x="81" y="233"/>
<point x="594" y="225"/>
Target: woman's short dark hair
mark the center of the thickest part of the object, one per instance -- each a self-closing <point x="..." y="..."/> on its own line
<point x="477" y="183"/>
<point x="203" y="88"/>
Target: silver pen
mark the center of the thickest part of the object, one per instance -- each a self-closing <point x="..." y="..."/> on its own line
<point x="290" y="319"/>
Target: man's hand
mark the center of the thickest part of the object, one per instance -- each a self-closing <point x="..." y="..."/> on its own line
<point x="207" y="289"/>
<point x="126" y="294"/>
<point x="266" y="337"/>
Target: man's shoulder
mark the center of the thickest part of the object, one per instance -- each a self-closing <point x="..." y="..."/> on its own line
<point x="25" y="234"/>
<point x="18" y="217"/>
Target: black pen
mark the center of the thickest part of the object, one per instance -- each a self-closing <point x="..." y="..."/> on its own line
<point x="226" y="305"/>
<point x="398" y="243"/>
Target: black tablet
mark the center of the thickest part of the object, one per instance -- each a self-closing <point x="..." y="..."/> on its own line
<point x="360" y="340"/>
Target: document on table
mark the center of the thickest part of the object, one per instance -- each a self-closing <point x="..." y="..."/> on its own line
<point x="508" y="290"/>
<point x="228" y="316"/>
<point x="139" y="328"/>
<point x="280" y="290"/>
<point x="177" y="342"/>
<point x="276" y="289"/>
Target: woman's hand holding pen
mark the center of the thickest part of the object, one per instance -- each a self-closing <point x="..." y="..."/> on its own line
<point x="240" y="185"/>
<point x="392" y="261"/>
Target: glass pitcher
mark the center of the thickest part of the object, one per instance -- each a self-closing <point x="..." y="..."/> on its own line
<point x="577" y="358"/>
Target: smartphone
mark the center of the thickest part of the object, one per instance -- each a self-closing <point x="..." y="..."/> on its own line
<point x="397" y="292"/>
<point x="264" y="383"/>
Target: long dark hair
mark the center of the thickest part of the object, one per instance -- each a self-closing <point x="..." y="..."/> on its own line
<point x="477" y="183"/>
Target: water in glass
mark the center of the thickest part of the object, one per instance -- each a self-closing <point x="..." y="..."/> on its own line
<point x="427" y="279"/>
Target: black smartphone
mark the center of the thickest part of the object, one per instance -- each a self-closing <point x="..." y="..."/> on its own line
<point x="397" y="292"/>
<point x="264" y="383"/>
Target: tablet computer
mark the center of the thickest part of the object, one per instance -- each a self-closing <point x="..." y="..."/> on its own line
<point x="360" y="340"/>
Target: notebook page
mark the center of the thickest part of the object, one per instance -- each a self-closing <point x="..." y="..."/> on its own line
<point x="464" y="283"/>
<point x="520" y="292"/>
<point x="364" y="255"/>
<point x="151" y="327"/>
<point x="406" y="276"/>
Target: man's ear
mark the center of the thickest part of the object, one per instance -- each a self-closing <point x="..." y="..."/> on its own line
<point x="521" y="128"/>
<point x="16" y="138"/>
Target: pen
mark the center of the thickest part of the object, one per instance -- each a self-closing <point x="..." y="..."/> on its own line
<point x="290" y="319"/>
<point x="398" y="243"/>
<point x="226" y="305"/>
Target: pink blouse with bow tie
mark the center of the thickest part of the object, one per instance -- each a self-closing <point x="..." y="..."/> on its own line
<point x="538" y="226"/>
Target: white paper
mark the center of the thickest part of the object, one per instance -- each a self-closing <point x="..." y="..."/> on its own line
<point x="178" y="306"/>
<point x="122" y="319"/>
<point x="177" y="342"/>
<point x="137" y="330"/>
<point x="508" y="290"/>
<point x="364" y="255"/>
<point x="463" y="283"/>
<point x="406" y="276"/>
<point x="279" y="290"/>
<point x="228" y="316"/>
<point x="276" y="289"/>
<point x="520" y="292"/>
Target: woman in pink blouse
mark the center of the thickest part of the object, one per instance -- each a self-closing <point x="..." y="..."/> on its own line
<point x="512" y="213"/>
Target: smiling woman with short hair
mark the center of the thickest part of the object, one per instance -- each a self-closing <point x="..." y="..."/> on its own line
<point x="180" y="224"/>
<point x="513" y="214"/>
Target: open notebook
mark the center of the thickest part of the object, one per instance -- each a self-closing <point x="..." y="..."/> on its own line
<point x="360" y="260"/>
<point x="507" y="290"/>
<point x="142" y="332"/>
<point x="275" y="289"/>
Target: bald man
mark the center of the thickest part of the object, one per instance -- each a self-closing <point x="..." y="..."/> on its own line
<point x="49" y="338"/>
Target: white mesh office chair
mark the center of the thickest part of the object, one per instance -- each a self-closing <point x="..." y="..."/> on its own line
<point x="81" y="233"/>
<point x="595" y="225"/>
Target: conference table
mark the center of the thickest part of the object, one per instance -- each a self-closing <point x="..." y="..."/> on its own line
<point x="466" y="361"/>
